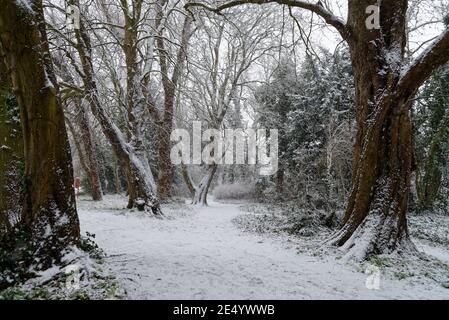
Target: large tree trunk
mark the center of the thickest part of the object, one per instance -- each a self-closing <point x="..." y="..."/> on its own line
<point x="49" y="213"/>
<point x="375" y="220"/>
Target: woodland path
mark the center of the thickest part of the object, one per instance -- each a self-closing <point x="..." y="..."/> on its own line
<point x="205" y="256"/>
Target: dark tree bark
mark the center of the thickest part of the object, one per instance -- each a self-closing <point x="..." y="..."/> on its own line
<point x="11" y="156"/>
<point x="49" y="210"/>
<point x="375" y="220"/>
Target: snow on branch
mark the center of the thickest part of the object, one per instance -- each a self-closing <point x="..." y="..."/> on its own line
<point x="318" y="9"/>
<point x="435" y="56"/>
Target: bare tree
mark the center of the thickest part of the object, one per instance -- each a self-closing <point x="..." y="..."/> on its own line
<point x="225" y="54"/>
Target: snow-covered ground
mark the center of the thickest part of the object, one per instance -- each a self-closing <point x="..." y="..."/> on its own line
<point x="199" y="253"/>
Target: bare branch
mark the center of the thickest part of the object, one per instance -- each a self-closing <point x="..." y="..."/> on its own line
<point x="421" y="69"/>
<point x="318" y="9"/>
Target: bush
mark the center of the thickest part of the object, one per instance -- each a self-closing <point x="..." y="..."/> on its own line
<point x="289" y="219"/>
<point x="234" y="191"/>
<point x="16" y="255"/>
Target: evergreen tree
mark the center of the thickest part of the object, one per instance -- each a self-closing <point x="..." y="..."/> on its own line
<point x="432" y="140"/>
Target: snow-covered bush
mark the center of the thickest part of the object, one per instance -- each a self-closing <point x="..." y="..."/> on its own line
<point x="234" y="191"/>
<point x="290" y="219"/>
<point x="78" y="276"/>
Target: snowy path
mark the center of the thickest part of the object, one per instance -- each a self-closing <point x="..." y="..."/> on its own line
<point x="204" y="256"/>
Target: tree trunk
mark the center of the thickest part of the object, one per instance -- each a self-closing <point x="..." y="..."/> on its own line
<point x="375" y="219"/>
<point x="187" y="179"/>
<point x="78" y="147"/>
<point x="165" y="121"/>
<point x="134" y="100"/>
<point x="49" y="213"/>
<point x="90" y="169"/>
<point x="131" y="188"/>
<point x="93" y="172"/>
<point x="280" y="181"/>
<point x="202" y="189"/>
<point x="117" y="181"/>
<point x="164" y="161"/>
